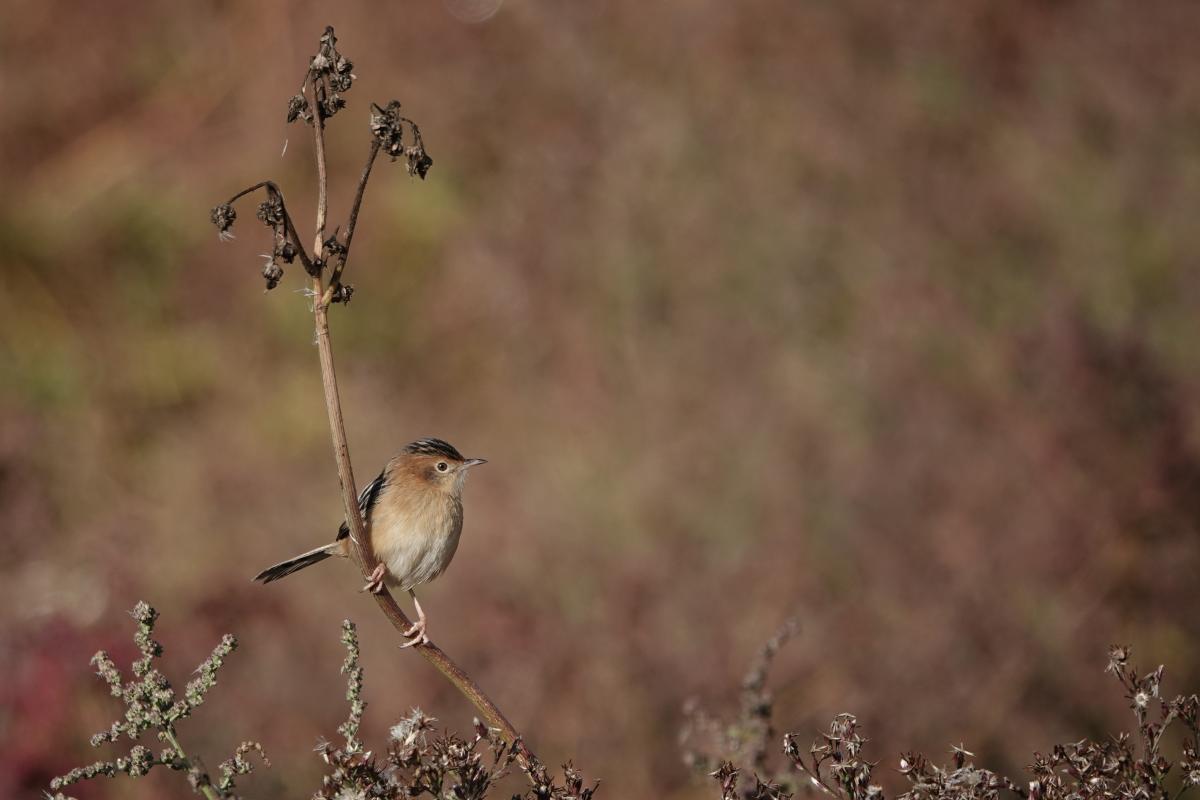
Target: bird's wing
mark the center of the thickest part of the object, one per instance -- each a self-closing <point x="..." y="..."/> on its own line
<point x="366" y="501"/>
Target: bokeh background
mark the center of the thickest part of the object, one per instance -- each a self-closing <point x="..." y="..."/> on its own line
<point x="879" y="313"/>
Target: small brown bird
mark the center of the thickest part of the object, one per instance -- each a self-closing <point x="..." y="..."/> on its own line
<point x="413" y="513"/>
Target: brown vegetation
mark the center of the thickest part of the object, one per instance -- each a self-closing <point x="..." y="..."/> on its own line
<point x="884" y="318"/>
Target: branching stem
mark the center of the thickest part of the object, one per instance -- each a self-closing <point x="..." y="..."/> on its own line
<point x="335" y="280"/>
<point x="318" y="127"/>
<point x="290" y="227"/>
<point x="207" y="789"/>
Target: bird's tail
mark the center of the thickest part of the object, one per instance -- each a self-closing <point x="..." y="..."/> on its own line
<point x="285" y="568"/>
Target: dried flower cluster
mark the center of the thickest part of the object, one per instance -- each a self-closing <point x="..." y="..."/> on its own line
<point x="273" y="213"/>
<point x="328" y="77"/>
<point x="388" y="128"/>
<point x="151" y="704"/>
<point x="330" y="74"/>
<point x="1115" y="769"/>
<point x="419" y="761"/>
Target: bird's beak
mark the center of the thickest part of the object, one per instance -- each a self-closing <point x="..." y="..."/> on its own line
<point x="473" y="462"/>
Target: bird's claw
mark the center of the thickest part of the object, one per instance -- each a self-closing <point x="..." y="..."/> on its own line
<point x="374" y="583"/>
<point x="417" y="631"/>
<point x="417" y="634"/>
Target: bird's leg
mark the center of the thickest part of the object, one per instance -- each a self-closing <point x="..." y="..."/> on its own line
<point x="374" y="584"/>
<point x="417" y="631"/>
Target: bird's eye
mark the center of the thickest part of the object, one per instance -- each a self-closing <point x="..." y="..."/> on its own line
<point x="442" y="466"/>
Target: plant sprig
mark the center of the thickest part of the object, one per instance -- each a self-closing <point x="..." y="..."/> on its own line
<point x="152" y="704"/>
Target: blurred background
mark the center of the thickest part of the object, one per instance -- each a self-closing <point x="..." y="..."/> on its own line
<point x="880" y="315"/>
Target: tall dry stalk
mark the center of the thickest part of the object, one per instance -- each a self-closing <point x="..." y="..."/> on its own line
<point x="327" y="77"/>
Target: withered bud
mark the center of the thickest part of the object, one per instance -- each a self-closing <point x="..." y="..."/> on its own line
<point x="298" y="108"/>
<point x="333" y="247"/>
<point x="285" y="250"/>
<point x="270" y="211"/>
<point x="223" y="217"/>
<point x="334" y="104"/>
<point x="1118" y="656"/>
<point x="387" y="126"/>
<point x="272" y="273"/>
<point x="419" y="161"/>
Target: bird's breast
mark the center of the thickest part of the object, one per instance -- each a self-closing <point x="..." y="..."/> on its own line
<point x="416" y="539"/>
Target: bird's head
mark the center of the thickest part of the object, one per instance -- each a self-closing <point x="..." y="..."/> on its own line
<point x="439" y="464"/>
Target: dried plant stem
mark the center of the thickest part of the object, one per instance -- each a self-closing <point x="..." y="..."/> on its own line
<point x="322" y="178"/>
<point x="204" y="788"/>
<point x="362" y="553"/>
<point x="335" y="280"/>
<point x="358" y="196"/>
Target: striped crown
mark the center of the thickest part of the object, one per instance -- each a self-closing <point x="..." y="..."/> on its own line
<point x="432" y="447"/>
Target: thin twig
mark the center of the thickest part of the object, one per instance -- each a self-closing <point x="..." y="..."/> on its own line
<point x="335" y="280"/>
<point x="289" y="226"/>
<point x="816" y="781"/>
<point x="358" y="195"/>
<point x="318" y="127"/>
<point x="301" y="253"/>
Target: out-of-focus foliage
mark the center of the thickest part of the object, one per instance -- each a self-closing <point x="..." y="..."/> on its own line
<point x="881" y="315"/>
<point x="837" y="765"/>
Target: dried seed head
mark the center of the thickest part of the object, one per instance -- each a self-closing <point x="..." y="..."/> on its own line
<point x="272" y="273"/>
<point x="329" y="74"/>
<point x="223" y="217"/>
<point x="1118" y="657"/>
<point x="333" y="248"/>
<point x="270" y="211"/>
<point x="298" y="109"/>
<point x="333" y="104"/>
<point x="387" y="126"/>
<point x="285" y="250"/>
<point x="419" y="162"/>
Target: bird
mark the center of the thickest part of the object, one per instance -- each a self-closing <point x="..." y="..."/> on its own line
<point x="413" y="514"/>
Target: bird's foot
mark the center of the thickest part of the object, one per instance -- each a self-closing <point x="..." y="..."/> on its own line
<point x="416" y="634"/>
<point x="417" y="631"/>
<point x="374" y="584"/>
